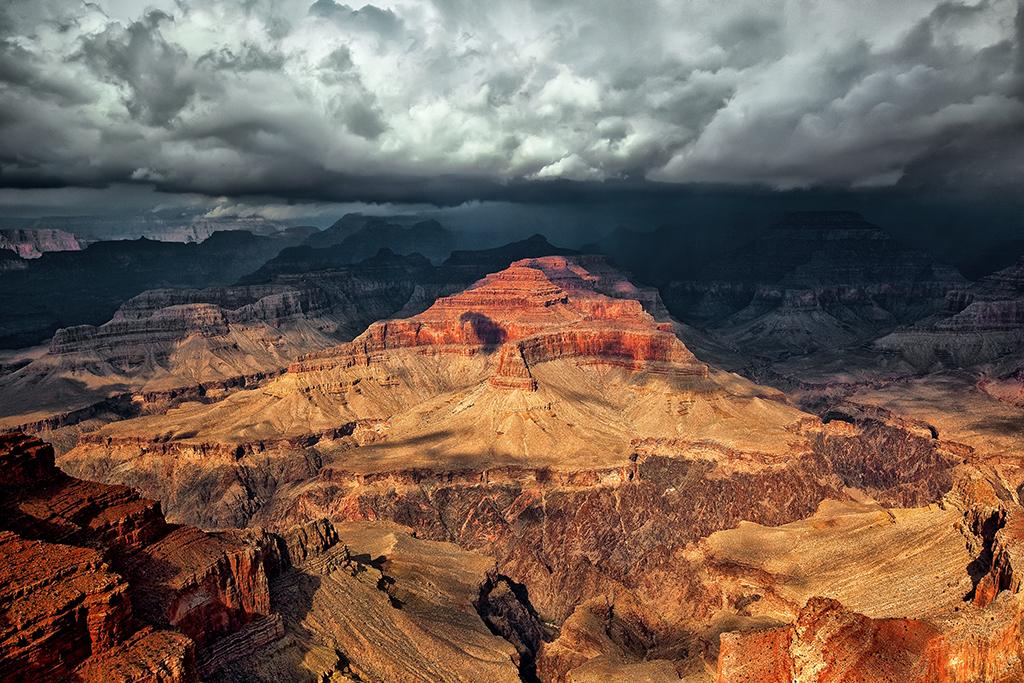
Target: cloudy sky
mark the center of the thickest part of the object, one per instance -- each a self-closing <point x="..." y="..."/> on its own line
<point x="443" y="101"/>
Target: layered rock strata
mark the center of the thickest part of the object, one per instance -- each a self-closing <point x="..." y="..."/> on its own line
<point x="813" y="281"/>
<point x="547" y="417"/>
<point x="97" y="586"/>
<point x="831" y="643"/>
<point x="535" y="311"/>
<point x="31" y="243"/>
<point x="981" y="324"/>
<point x="169" y="341"/>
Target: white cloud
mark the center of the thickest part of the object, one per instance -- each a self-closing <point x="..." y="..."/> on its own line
<point x="303" y="98"/>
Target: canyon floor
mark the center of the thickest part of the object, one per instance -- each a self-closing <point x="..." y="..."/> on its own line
<point x="541" y="475"/>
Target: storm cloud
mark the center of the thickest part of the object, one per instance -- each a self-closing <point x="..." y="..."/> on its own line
<point x="450" y="100"/>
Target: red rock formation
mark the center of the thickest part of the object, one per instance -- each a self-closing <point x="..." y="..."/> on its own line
<point x="60" y="604"/>
<point x="96" y="587"/>
<point x="755" y="657"/>
<point x="598" y="483"/>
<point x="534" y="311"/>
<point x="95" y="580"/>
<point x="830" y="644"/>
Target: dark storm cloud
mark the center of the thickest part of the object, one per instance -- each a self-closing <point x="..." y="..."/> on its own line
<point x="155" y="75"/>
<point x="450" y="100"/>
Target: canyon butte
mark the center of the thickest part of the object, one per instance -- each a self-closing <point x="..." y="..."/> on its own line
<point x="518" y="465"/>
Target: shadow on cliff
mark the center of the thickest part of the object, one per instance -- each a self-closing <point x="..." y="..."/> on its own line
<point x="450" y="451"/>
<point x="489" y="333"/>
<point x="385" y="582"/>
<point x="154" y="588"/>
<point x="1003" y="426"/>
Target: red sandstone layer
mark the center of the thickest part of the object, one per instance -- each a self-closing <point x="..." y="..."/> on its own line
<point x="95" y="584"/>
<point x="534" y="311"/>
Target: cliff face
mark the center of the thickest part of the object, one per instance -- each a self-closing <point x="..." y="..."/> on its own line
<point x="981" y="324"/>
<point x="828" y="642"/>
<point x="63" y="289"/>
<point x="534" y="311"/>
<point x="33" y="242"/>
<point x="98" y="585"/>
<point x="193" y="342"/>
<point x="167" y="345"/>
<point x="541" y="326"/>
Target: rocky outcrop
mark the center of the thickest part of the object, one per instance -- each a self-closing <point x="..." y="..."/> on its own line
<point x="62" y="604"/>
<point x="549" y="416"/>
<point x="600" y="528"/>
<point x="896" y="466"/>
<point x="31" y="243"/>
<point x="98" y="585"/>
<point x="168" y="341"/>
<point x="534" y="311"/>
<point x="828" y="642"/>
<point x="995" y="537"/>
<point x="151" y="324"/>
<point x="383" y="607"/>
<point x="603" y="640"/>
<point x="65" y="289"/>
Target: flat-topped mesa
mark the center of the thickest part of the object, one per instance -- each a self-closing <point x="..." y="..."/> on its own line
<point x="534" y="311"/>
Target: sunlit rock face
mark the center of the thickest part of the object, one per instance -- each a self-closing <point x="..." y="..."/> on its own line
<point x="550" y="416"/>
<point x="165" y="346"/>
<point x="97" y="586"/>
<point x="535" y="311"/>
